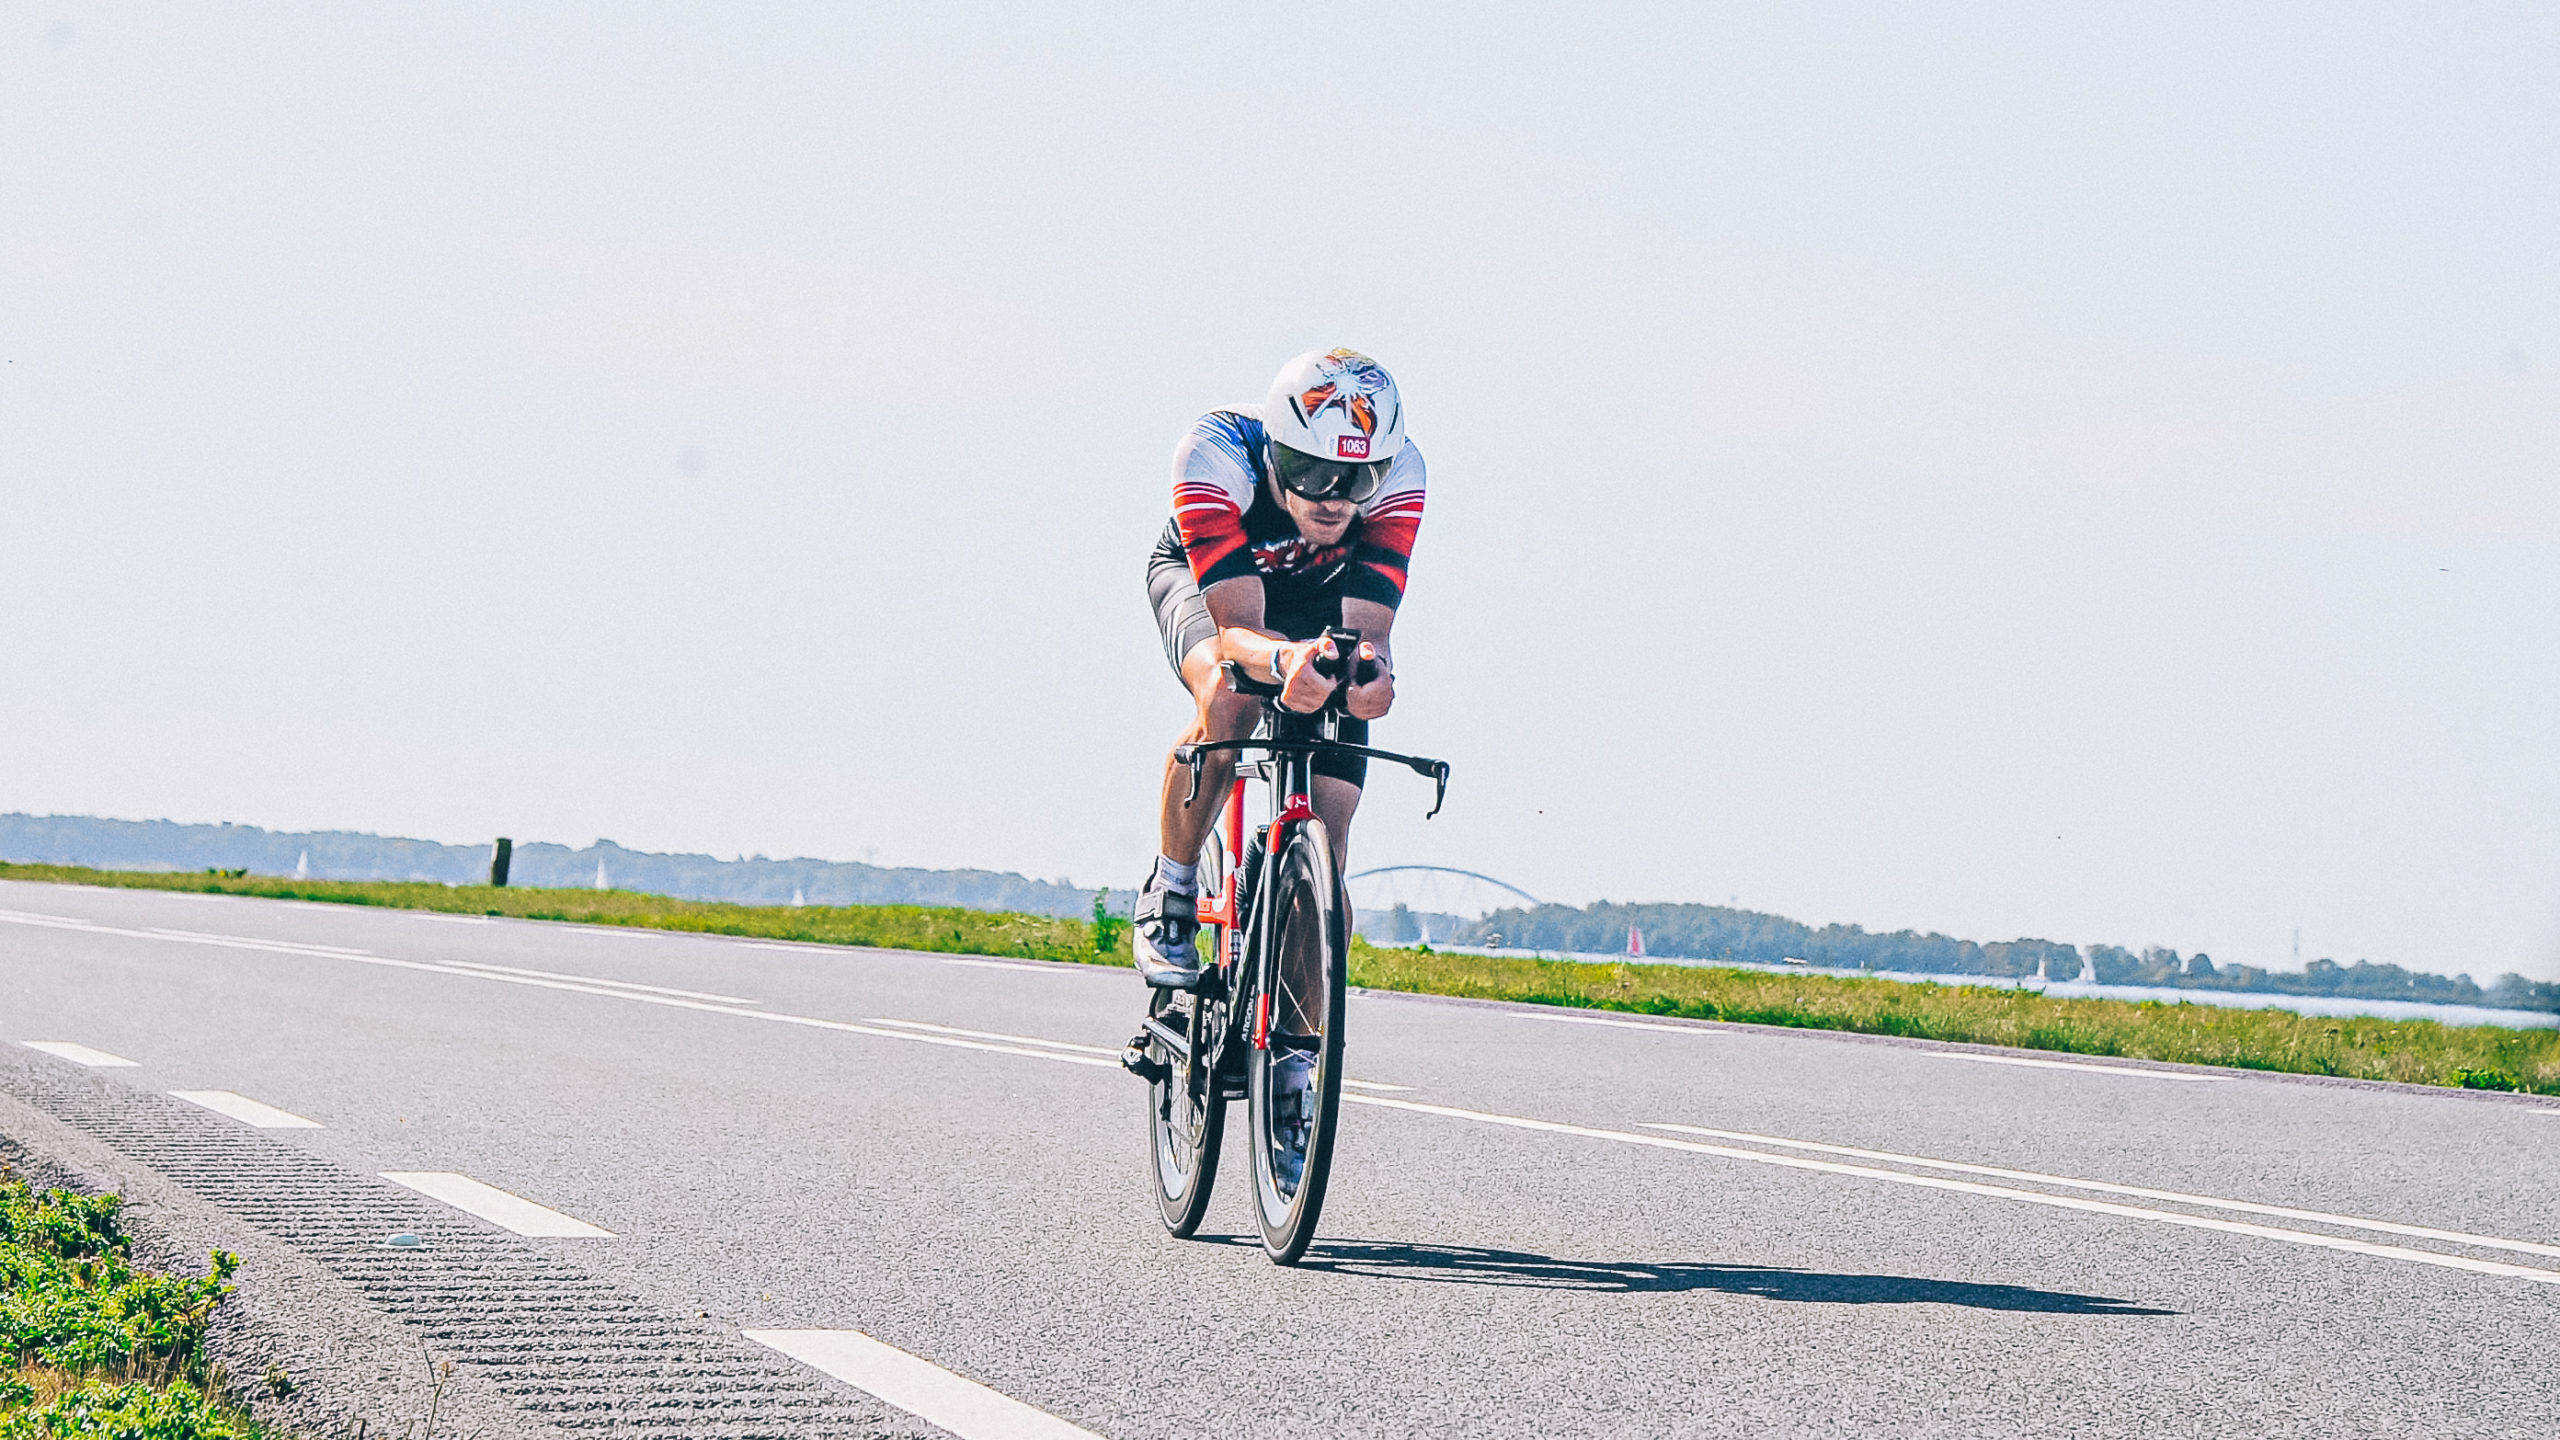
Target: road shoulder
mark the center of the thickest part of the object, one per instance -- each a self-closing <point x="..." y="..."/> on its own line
<point x="344" y="1359"/>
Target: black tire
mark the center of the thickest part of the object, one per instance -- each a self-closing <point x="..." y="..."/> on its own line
<point x="1186" y="1120"/>
<point x="1304" y="973"/>
<point x="1187" y="1111"/>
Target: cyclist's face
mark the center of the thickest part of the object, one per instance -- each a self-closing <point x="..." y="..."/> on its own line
<point x="1320" y="521"/>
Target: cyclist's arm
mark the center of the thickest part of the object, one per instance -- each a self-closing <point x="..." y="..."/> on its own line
<point x="1376" y="624"/>
<point x="1235" y="607"/>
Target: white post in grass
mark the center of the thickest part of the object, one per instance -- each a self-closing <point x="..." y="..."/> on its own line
<point x="302" y="867"/>
<point x="601" y="883"/>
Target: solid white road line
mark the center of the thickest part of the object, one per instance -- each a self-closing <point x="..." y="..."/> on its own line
<point x="1035" y="969"/>
<point x="1112" y="1052"/>
<point x="201" y="937"/>
<point x="494" y="1205"/>
<point x="1615" y="1024"/>
<point x="245" y="1110"/>
<point x="1967" y="1187"/>
<point x="453" y="919"/>
<point x="76" y="1054"/>
<point x="599" y="980"/>
<point x="2135" y="1071"/>
<point x="992" y="1035"/>
<point x="2282" y="1212"/>
<point x="921" y="1388"/>
<point x="280" y="947"/>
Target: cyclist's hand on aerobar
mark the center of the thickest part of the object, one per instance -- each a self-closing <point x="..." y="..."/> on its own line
<point x="1305" y="691"/>
<point x="1370" y="701"/>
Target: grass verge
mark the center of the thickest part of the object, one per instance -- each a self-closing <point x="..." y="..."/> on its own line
<point x="92" y="1345"/>
<point x="2421" y="1052"/>
<point x="902" y="927"/>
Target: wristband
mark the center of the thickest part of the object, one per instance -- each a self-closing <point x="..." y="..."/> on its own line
<point x="1279" y="676"/>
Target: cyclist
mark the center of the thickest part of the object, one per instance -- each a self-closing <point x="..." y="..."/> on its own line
<point x="1286" y="519"/>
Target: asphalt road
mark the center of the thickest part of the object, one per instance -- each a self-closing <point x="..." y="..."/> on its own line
<point x="1515" y="1245"/>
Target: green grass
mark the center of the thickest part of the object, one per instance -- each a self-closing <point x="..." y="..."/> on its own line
<point x="93" y="1345"/>
<point x="2420" y="1052"/>
<point x="902" y="927"/>
<point x="2423" y="1052"/>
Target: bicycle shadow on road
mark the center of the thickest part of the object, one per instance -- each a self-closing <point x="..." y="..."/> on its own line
<point x="1523" y="1270"/>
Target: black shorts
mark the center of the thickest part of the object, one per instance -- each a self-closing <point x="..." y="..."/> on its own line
<point x="1182" y="620"/>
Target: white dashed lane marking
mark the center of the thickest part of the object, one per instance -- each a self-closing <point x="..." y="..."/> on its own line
<point x="245" y="1110"/>
<point x="513" y="1212"/>
<point x="76" y="1054"/>
<point x="918" y="1386"/>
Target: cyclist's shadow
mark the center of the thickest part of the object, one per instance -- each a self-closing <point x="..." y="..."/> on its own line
<point x="1521" y="1269"/>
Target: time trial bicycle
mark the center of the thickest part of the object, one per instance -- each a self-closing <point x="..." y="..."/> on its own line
<point x="1264" y="1024"/>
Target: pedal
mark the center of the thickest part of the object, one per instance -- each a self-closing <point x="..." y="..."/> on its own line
<point x="1169" y="978"/>
<point x="1138" y="1062"/>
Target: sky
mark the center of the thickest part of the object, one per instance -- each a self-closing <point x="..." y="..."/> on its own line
<point x="2090" y="474"/>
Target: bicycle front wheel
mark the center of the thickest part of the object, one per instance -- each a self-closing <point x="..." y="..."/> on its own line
<point x="1294" y="1076"/>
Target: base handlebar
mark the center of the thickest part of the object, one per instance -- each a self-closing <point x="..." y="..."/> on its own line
<point x="1194" y="756"/>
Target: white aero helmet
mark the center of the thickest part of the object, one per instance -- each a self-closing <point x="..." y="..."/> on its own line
<point x="1337" y="405"/>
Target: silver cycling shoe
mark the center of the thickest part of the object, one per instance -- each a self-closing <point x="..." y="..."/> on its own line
<point x="1163" y="937"/>
<point x="1293" y="1117"/>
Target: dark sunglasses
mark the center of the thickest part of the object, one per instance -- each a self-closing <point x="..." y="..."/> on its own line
<point x="1313" y="478"/>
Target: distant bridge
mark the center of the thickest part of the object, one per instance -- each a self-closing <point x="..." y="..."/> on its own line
<point x="1442" y="888"/>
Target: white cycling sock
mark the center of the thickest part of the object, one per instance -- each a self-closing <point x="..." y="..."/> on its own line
<point x="1185" y="878"/>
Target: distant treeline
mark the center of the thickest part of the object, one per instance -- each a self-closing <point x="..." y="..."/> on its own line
<point x="344" y="855"/>
<point x="1715" y="932"/>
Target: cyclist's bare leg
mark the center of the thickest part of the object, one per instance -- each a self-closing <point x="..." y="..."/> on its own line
<point x="1218" y="714"/>
<point x="1336" y="801"/>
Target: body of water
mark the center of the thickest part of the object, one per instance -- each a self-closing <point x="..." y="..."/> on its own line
<point x="2081" y="990"/>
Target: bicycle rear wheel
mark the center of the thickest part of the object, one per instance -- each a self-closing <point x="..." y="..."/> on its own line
<point x="1187" y="1109"/>
<point x="1294" y="1079"/>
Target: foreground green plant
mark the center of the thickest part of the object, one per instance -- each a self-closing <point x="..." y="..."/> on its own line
<point x="2422" y="1052"/>
<point x="99" y="1410"/>
<point x="90" y="1343"/>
